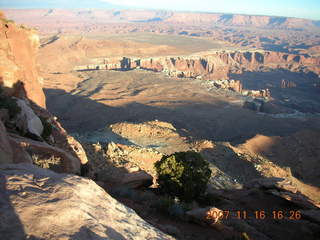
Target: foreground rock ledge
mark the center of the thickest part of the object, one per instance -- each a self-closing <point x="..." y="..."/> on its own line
<point x="40" y="204"/>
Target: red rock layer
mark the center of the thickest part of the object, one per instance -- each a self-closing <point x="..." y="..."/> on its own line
<point x="18" y="68"/>
<point x="214" y="66"/>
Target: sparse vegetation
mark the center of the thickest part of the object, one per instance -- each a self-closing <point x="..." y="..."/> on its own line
<point x="48" y="163"/>
<point x="9" y="103"/>
<point x="184" y="175"/>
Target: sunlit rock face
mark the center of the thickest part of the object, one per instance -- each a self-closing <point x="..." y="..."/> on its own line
<point x="214" y="65"/>
<point x="41" y="204"/>
<point x="18" y="50"/>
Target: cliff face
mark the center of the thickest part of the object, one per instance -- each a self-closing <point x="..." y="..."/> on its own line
<point x="214" y="66"/>
<point x="240" y="20"/>
<point x="49" y="17"/>
<point x="18" y="68"/>
<point x="28" y="131"/>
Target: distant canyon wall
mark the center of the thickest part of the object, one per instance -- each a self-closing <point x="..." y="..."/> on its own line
<point x="50" y="16"/>
<point x="214" y="66"/>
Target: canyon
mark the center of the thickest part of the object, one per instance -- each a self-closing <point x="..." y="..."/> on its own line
<point x="105" y="94"/>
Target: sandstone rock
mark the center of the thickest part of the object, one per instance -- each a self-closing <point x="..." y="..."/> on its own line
<point x="40" y="204"/>
<point x="145" y="158"/>
<point x="20" y="154"/>
<point x="215" y="65"/>
<point x="42" y="150"/>
<point x="273" y="183"/>
<point x="297" y="198"/>
<point x="208" y="215"/>
<point x="137" y="179"/>
<point x="61" y="138"/>
<point x="27" y="121"/>
<point x="6" y="154"/>
<point x="160" y="136"/>
<point x="18" y="67"/>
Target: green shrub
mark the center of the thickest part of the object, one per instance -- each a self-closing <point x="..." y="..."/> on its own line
<point x="47" y="129"/>
<point x="10" y="104"/>
<point x="184" y="175"/>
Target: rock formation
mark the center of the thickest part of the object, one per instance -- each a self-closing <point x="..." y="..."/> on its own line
<point x="234" y="85"/>
<point x="214" y="66"/>
<point x="40" y="204"/>
<point x="18" y="68"/>
<point x="22" y="113"/>
<point x="287" y="84"/>
<point x="49" y="17"/>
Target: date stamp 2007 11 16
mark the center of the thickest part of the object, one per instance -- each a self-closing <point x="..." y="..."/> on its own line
<point x="258" y="214"/>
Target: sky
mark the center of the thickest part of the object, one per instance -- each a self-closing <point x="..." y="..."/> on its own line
<point x="290" y="8"/>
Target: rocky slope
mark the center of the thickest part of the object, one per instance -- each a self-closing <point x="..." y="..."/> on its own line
<point x="40" y="204"/>
<point x="29" y="130"/>
<point x="248" y="176"/>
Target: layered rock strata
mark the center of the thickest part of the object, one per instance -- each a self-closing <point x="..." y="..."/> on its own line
<point x="214" y="66"/>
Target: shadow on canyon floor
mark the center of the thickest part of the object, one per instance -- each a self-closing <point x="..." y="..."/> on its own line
<point x="198" y="120"/>
<point x="273" y="78"/>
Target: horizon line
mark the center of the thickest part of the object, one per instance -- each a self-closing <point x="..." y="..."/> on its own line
<point x="155" y="9"/>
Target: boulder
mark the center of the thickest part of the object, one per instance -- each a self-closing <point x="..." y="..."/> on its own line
<point x="281" y="184"/>
<point x="42" y="150"/>
<point x="20" y="154"/>
<point x="208" y="215"/>
<point x="6" y="154"/>
<point x="137" y="179"/>
<point x="27" y="121"/>
<point x="40" y="204"/>
<point x="59" y="136"/>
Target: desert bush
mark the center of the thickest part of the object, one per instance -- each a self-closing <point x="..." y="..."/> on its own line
<point x="184" y="175"/>
<point x="48" y="163"/>
<point x="9" y="103"/>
